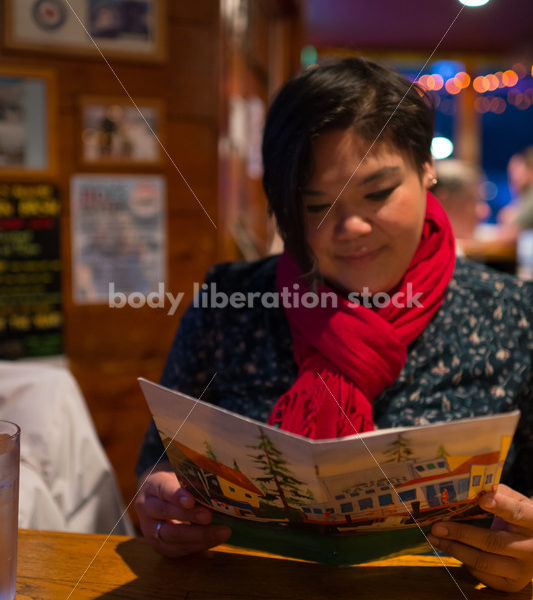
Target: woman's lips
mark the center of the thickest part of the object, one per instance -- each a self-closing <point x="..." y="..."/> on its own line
<point x="360" y="258"/>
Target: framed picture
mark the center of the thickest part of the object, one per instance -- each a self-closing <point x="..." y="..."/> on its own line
<point x="27" y="122"/>
<point x="118" y="237"/>
<point x="115" y="132"/>
<point x="129" y="29"/>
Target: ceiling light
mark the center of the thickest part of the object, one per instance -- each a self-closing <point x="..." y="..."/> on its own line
<point x="441" y="147"/>
<point x="474" y="2"/>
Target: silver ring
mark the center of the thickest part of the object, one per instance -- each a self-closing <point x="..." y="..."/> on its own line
<point x="158" y="531"/>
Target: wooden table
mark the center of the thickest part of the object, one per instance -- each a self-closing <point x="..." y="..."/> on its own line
<point x="51" y="565"/>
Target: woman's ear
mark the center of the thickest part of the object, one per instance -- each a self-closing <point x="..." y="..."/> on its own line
<point x="429" y="176"/>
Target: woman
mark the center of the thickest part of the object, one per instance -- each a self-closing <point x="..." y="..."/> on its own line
<point x="347" y="162"/>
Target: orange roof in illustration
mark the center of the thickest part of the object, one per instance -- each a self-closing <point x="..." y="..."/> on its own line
<point x="212" y="466"/>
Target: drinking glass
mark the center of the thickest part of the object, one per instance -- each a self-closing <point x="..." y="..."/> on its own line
<point x="9" y="505"/>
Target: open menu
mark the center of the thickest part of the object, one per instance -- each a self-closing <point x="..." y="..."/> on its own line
<point x="339" y="501"/>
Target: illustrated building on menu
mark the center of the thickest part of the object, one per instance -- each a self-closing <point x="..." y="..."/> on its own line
<point x="375" y="497"/>
<point x="222" y="486"/>
<point x="408" y="486"/>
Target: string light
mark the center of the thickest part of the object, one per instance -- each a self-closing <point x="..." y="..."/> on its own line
<point x="520" y="70"/>
<point x="481" y="84"/>
<point x="481" y="104"/>
<point x="510" y="78"/>
<point x="492" y="82"/>
<point x="484" y="102"/>
<point x="452" y="87"/>
<point x="438" y="82"/>
<point x="462" y="79"/>
<point x="498" y="105"/>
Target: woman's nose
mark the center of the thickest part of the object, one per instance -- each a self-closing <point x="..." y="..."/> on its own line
<point x="352" y="225"/>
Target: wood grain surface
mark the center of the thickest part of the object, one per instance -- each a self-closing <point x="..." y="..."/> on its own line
<point x="61" y="565"/>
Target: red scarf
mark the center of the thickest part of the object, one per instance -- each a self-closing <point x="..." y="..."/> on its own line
<point x="358" y="351"/>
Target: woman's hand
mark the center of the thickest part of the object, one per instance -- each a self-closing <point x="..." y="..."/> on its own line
<point x="185" y="525"/>
<point x="501" y="559"/>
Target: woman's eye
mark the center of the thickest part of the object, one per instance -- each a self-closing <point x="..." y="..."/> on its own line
<point x="316" y="208"/>
<point x="381" y="195"/>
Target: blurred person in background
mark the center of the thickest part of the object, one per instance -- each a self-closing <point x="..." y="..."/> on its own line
<point x="521" y="180"/>
<point x="518" y="215"/>
<point x="459" y="190"/>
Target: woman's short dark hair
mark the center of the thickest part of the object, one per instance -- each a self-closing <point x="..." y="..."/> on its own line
<point x="373" y="99"/>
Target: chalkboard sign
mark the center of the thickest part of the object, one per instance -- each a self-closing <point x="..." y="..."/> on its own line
<point x="30" y="271"/>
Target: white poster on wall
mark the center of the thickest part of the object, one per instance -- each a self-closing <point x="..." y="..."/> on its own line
<point x="118" y="236"/>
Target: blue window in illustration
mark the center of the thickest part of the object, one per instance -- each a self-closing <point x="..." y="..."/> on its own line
<point x="247" y="495"/>
<point x="430" y="466"/>
<point x="231" y="489"/>
<point x="365" y="503"/>
<point x="408" y="495"/>
<point x="385" y="500"/>
<point x="306" y="510"/>
<point x="476" y="480"/>
<point x="489" y="478"/>
<point x="463" y="485"/>
<point x="441" y="464"/>
<point x="340" y="497"/>
<point x="347" y="507"/>
<point x="431" y="495"/>
<point x="419" y="468"/>
<point x="317" y="511"/>
<point x="370" y="492"/>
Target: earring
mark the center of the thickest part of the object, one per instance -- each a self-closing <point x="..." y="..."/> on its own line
<point x="433" y="181"/>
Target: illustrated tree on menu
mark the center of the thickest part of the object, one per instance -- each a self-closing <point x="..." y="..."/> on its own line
<point x="442" y="452"/>
<point x="278" y="481"/>
<point x="399" y="450"/>
<point x="209" y="451"/>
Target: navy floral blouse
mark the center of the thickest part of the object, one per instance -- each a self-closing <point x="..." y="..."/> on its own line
<point x="473" y="359"/>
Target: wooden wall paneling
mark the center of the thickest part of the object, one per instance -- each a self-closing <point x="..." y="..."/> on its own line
<point x="203" y="11"/>
<point x="255" y="63"/>
<point x="193" y="70"/>
<point x="257" y="37"/>
<point x="108" y="349"/>
<point x="196" y="157"/>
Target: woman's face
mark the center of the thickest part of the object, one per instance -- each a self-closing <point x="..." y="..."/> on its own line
<point x="368" y="236"/>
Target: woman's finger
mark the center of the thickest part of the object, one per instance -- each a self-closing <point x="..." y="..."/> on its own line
<point x="180" y="539"/>
<point x="158" y="509"/>
<point x="511" y="506"/>
<point x="495" y="542"/>
<point x="480" y="560"/>
<point x="185" y="498"/>
<point x="161" y="497"/>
